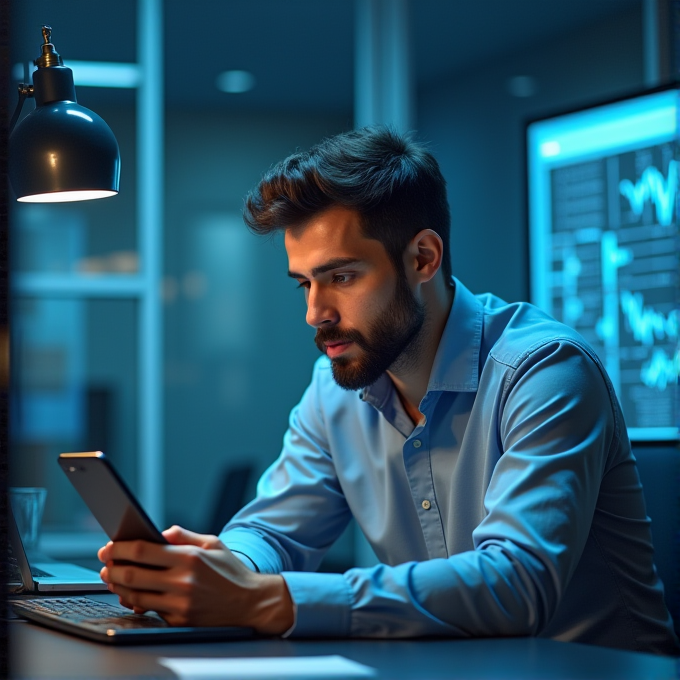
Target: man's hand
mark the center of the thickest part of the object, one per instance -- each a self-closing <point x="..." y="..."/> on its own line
<point x="195" y="581"/>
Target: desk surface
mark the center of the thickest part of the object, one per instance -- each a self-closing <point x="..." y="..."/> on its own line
<point x="40" y="653"/>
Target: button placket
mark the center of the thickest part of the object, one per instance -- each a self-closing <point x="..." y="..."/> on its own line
<point x="419" y="472"/>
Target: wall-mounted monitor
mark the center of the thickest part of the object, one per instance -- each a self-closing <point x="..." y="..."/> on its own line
<point x="605" y="245"/>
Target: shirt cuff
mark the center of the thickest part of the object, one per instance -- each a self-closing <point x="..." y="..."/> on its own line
<point x="245" y="559"/>
<point x="289" y="632"/>
<point x="323" y="604"/>
<point x="255" y="547"/>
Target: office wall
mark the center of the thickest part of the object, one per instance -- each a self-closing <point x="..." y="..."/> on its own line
<point x="476" y="129"/>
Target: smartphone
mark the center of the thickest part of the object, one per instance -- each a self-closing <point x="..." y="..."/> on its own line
<point x="108" y="497"/>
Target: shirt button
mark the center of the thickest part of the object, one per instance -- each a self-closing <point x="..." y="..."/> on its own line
<point x="426" y="505"/>
<point x="417" y="443"/>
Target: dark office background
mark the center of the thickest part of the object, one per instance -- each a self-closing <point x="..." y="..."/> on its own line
<point x="236" y="352"/>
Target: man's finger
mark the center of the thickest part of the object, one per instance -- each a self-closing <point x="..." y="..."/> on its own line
<point x="179" y="536"/>
<point x="139" y="552"/>
<point x="141" y="601"/>
<point x="139" y="578"/>
<point x="124" y="603"/>
<point x="128" y="605"/>
<point x="103" y="552"/>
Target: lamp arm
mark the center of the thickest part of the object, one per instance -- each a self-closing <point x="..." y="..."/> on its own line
<point x="25" y="91"/>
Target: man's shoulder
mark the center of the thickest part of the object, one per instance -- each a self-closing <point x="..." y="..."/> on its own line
<point x="514" y="331"/>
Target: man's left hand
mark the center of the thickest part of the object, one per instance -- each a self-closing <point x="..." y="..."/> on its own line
<point x="195" y="581"/>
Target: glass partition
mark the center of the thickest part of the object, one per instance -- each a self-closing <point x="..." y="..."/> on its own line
<point x="74" y="384"/>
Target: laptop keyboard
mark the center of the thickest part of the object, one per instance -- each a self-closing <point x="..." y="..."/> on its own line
<point x="39" y="573"/>
<point x="15" y="572"/>
<point x="89" y="612"/>
<point x="14" y="575"/>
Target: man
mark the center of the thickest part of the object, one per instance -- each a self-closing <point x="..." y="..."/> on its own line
<point x="478" y="444"/>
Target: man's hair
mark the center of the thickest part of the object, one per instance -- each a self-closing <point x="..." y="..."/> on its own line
<point x="393" y="183"/>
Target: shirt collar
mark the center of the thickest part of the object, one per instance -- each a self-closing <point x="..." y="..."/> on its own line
<point x="456" y="364"/>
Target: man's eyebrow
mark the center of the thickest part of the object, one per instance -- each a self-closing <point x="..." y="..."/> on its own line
<point x="335" y="263"/>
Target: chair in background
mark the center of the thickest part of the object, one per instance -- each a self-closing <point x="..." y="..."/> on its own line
<point x="659" y="466"/>
<point x="230" y="497"/>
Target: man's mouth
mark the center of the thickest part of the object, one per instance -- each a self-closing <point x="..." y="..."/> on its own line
<point x="335" y="349"/>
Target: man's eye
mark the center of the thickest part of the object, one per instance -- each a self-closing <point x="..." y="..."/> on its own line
<point x="303" y="284"/>
<point x="341" y="278"/>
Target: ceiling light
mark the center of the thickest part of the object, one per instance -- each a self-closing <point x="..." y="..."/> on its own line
<point x="235" y="82"/>
<point x="522" y="86"/>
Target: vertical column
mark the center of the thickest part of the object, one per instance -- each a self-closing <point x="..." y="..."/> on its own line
<point x="659" y="36"/>
<point x="150" y="184"/>
<point x="383" y="76"/>
<point x="383" y="94"/>
<point x="650" y="42"/>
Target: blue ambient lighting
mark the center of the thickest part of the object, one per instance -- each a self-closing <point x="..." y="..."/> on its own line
<point x="93" y="73"/>
<point x="104" y="74"/>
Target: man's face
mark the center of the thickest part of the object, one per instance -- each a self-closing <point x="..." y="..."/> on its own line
<point x="367" y="319"/>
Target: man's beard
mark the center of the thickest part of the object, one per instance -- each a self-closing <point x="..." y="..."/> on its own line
<point x="392" y="342"/>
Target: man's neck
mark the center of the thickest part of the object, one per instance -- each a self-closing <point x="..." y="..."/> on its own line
<point x="411" y="382"/>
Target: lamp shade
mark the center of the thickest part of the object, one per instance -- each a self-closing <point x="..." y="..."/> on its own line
<point x="66" y="150"/>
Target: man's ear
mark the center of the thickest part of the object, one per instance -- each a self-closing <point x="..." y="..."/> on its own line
<point x="423" y="256"/>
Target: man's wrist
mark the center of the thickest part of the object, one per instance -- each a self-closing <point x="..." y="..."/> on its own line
<point x="274" y="612"/>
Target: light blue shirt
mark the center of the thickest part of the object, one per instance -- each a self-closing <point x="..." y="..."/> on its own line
<point x="515" y="508"/>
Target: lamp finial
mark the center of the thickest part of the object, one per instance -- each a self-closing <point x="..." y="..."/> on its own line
<point x="48" y="55"/>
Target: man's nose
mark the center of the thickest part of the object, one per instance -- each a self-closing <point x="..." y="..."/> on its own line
<point x="320" y="310"/>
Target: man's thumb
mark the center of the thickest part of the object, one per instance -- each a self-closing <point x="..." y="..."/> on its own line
<point x="177" y="535"/>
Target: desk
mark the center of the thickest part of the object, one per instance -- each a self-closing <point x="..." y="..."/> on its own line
<point x="40" y="653"/>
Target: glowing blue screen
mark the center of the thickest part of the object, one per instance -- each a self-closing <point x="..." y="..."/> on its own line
<point x="605" y="245"/>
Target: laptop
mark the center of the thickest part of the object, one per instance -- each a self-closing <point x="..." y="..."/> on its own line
<point x="40" y="577"/>
<point x="86" y="617"/>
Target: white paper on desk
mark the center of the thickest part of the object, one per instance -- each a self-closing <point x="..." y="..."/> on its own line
<point x="267" y="667"/>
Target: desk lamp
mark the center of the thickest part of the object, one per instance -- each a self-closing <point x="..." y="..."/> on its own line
<point x="61" y="151"/>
